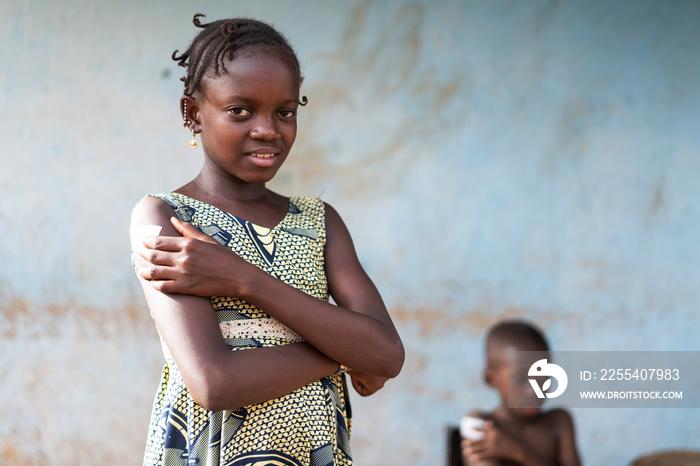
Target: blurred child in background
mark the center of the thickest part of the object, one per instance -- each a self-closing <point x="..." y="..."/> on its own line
<point x="523" y="435"/>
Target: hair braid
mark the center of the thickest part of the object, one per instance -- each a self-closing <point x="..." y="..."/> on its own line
<point x="219" y="41"/>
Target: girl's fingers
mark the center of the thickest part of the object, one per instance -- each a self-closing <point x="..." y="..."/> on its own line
<point x="161" y="278"/>
<point x="189" y="231"/>
<point x="163" y="243"/>
<point x="164" y="286"/>
<point x="155" y="272"/>
<point x="357" y="385"/>
<point x="155" y="257"/>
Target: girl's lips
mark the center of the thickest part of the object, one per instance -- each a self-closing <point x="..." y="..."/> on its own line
<point x="263" y="160"/>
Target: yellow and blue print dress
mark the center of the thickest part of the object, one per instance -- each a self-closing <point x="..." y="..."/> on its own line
<point x="310" y="426"/>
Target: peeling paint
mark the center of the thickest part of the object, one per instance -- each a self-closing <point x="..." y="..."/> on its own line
<point x="436" y="322"/>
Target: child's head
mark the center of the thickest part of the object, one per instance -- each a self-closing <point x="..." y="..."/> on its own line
<point x="506" y="336"/>
<point x="514" y="335"/>
<point x="241" y="95"/>
<point x="220" y="41"/>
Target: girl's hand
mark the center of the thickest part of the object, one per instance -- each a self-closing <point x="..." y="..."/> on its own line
<point x="194" y="264"/>
<point x="366" y="384"/>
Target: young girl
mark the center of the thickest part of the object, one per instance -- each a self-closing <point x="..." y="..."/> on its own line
<point x="237" y="277"/>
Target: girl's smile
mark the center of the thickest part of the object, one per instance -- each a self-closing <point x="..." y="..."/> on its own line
<point x="262" y="159"/>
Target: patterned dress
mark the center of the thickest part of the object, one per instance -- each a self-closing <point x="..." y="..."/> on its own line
<point x="310" y="426"/>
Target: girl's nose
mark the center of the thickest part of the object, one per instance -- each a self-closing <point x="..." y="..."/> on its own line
<point x="265" y="129"/>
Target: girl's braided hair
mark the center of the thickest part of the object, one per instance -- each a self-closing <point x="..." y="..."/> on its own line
<point x="220" y="40"/>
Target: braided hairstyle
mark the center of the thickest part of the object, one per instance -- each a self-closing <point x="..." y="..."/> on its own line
<point x="220" y="40"/>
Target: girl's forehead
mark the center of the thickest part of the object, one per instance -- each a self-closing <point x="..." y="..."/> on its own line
<point x="253" y="70"/>
<point x="253" y="58"/>
<point x="253" y="76"/>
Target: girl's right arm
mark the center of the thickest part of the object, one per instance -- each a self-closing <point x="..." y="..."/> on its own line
<point x="216" y="377"/>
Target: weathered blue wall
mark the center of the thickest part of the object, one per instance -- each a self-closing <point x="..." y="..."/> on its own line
<point x="491" y="158"/>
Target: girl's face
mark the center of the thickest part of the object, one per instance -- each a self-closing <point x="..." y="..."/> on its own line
<point x="247" y="117"/>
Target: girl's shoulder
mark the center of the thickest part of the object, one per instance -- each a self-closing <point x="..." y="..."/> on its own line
<point x="312" y="208"/>
<point x="308" y="210"/>
<point x="163" y="205"/>
<point x="306" y="203"/>
<point x="150" y="207"/>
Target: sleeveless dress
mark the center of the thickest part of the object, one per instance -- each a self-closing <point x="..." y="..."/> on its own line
<point x="310" y="426"/>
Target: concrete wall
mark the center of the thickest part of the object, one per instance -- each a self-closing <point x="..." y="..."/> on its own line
<point x="491" y="158"/>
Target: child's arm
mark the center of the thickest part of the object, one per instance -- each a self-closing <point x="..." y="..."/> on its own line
<point x="358" y="332"/>
<point x="216" y="377"/>
<point x="497" y="445"/>
<point x="568" y="453"/>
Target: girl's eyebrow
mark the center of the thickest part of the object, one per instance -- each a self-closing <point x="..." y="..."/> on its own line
<point x="240" y="98"/>
<point x="246" y="99"/>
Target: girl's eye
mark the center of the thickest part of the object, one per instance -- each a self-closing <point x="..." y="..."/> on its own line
<point x="239" y="111"/>
<point x="287" y="113"/>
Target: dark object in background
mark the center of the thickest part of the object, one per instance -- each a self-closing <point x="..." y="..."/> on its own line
<point x="454" y="448"/>
<point x="669" y="458"/>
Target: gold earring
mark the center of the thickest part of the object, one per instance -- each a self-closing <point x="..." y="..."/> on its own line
<point x="193" y="142"/>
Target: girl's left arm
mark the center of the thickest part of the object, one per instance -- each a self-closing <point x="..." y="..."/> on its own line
<point x="356" y="332"/>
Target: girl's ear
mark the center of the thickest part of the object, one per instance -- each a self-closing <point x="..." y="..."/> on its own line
<point x="189" y="109"/>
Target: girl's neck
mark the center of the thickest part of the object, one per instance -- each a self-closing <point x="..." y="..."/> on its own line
<point x="233" y="190"/>
<point x="249" y="201"/>
<point x="215" y="184"/>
